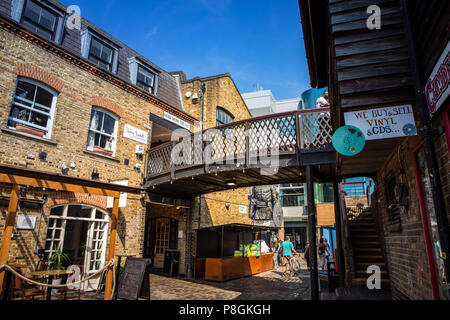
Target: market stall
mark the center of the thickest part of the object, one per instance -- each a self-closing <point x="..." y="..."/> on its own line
<point x="233" y="251"/>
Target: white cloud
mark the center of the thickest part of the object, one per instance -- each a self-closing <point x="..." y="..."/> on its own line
<point x="151" y="33"/>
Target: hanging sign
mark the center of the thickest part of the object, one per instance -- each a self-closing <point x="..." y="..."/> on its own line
<point x="437" y="88"/>
<point x="348" y="140"/>
<point x="25" y="222"/>
<point x="122" y="197"/>
<point x="135" y="134"/>
<point x="177" y="121"/>
<point x="383" y="123"/>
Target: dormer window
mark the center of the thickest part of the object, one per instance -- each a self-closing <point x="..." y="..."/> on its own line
<point x="143" y="76"/>
<point x="40" y="17"/>
<point x="145" y="79"/>
<point x="101" y="54"/>
<point x="99" y="50"/>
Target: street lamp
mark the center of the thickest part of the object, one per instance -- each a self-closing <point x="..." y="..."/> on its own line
<point x="203" y="101"/>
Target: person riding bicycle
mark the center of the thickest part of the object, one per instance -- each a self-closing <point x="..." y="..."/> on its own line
<point x="287" y="249"/>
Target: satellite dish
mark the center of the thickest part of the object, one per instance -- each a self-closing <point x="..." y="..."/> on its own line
<point x="188" y="94"/>
<point x="349" y="140"/>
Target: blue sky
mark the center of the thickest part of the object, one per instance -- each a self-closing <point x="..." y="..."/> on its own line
<point x="255" y="41"/>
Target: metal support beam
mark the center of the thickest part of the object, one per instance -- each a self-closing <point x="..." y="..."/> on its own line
<point x="338" y="227"/>
<point x="9" y="227"/>
<point x="312" y="233"/>
<point x="112" y="248"/>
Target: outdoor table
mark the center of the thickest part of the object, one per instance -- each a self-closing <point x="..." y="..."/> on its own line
<point x="50" y="274"/>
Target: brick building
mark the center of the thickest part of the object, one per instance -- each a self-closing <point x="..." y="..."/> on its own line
<point x="222" y="103"/>
<point x="77" y="103"/>
<point x="403" y="63"/>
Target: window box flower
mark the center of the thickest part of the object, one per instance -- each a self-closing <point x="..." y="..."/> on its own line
<point x="30" y="130"/>
<point x="103" y="151"/>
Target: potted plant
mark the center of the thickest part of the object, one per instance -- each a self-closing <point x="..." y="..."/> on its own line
<point x="56" y="262"/>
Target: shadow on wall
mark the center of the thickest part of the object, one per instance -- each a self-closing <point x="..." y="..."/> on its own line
<point x="122" y="228"/>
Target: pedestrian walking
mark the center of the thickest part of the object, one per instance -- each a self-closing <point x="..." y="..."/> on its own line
<point x="306" y="255"/>
<point x="324" y="253"/>
<point x="287" y="249"/>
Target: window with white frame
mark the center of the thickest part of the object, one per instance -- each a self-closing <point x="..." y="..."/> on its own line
<point x="40" y="16"/>
<point x="99" y="50"/>
<point x="101" y="54"/>
<point x="145" y="79"/>
<point x="102" y="132"/>
<point x="143" y="76"/>
<point x="32" y="108"/>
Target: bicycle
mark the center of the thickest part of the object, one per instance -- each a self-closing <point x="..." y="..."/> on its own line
<point x="292" y="266"/>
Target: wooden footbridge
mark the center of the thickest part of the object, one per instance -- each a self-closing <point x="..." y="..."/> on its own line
<point x="265" y="150"/>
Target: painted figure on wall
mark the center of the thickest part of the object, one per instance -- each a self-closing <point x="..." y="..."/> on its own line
<point x="265" y="205"/>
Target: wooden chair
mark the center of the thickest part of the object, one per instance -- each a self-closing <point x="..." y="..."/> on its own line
<point x="64" y="290"/>
<point x="20" y="289"/>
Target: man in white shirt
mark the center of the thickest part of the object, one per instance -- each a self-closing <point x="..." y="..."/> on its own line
<point x="322" y="102"/>
<point x="323" y="118"/>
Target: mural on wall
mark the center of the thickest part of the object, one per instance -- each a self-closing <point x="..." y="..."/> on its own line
<point x="265" y="207"/>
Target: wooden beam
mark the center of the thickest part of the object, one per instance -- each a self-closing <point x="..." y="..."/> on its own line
<point x="112" y="248"/>
<point x="55" y="185"/>
<point x="9" y="226"/>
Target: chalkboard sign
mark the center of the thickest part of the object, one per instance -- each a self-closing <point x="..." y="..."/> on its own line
<point x="135" y="280"/>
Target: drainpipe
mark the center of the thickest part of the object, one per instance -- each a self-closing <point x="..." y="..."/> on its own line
<point x="44" y="200"/>
<point x="428" y="144"/>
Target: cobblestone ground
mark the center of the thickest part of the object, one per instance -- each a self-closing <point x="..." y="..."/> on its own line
<point x="270" y="285"/>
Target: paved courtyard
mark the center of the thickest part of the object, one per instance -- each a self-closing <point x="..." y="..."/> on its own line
<point x="270" y="285"/>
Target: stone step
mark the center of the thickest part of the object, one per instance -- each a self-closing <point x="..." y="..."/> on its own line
<point x="364" y="280"/>
<point x="367" y="249"/>
<point x="365" y="244"/>
<point x="362" y="235"/>
<point x="364" y="272"/>
<point x="357" y="229"/>
<point x="361" y="224"/>
<point x="369" y="257"/>
<point x="360" y="265"/>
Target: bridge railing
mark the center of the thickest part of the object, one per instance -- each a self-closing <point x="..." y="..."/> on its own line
<point x="239" y="141"/>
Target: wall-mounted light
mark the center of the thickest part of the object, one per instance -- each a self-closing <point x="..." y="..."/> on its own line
<point x="42" y="155"/>
<point x="64" y="168"/>
<point x="227" y="205"/>
<point x="231" y="183"/>
<point x="95" y="175"/>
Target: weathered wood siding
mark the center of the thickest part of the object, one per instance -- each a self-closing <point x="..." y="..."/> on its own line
<point x="371" y="66"/>
<point x="431" y="30"/>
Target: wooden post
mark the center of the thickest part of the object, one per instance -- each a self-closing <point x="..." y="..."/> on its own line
<point x="312" y="233"/>
<point x="337" y="218"/>
<point x="112" y="247"/>
<point x="9" y="226"/>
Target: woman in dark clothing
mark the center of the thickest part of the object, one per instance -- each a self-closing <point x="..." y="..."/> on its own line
<point x="307" y="254"/>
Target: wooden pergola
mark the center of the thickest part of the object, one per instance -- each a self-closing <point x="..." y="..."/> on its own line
<point x="18" y="177"/>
